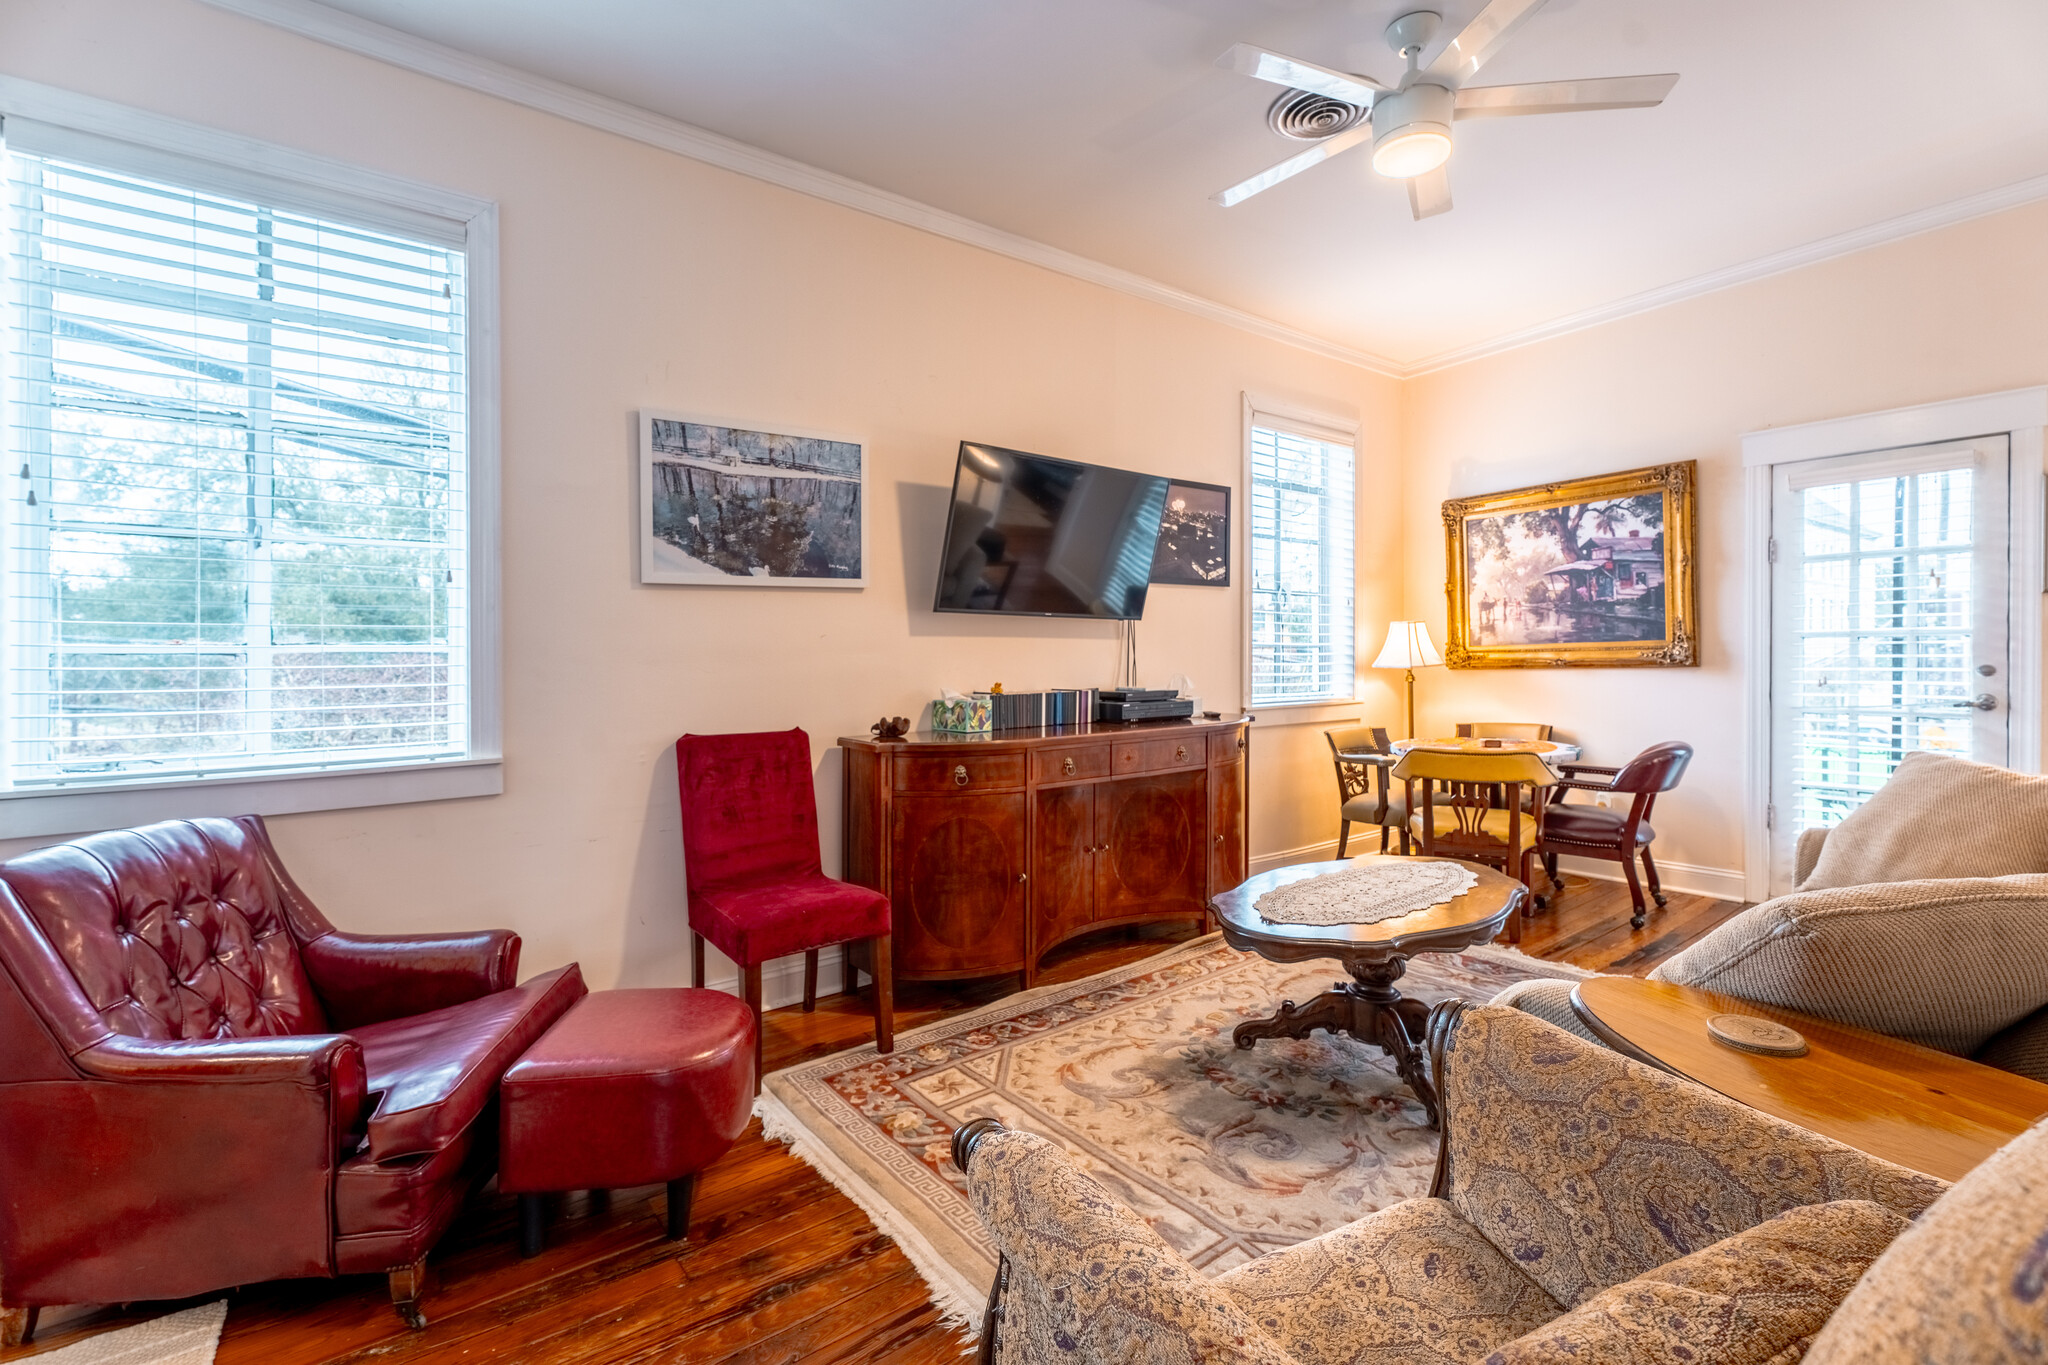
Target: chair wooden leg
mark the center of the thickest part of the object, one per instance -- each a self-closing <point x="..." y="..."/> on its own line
<point x="18" y="1324"/>
<point x="679" y="1194"/>
<point x="696" y="959"/>
<point x="1635" y="892"/>
<point x="885" y="995"/>
<point x="1550" y="871"/>
<point x="1535" y="901"/>
<point x="1343" y="837"/>
<point x="750" y="982"/>
<point x="1656" y="887"/>
<point x="1386" y="833"/>
<point x="408" y="1285"/>
<point x="810" y="980"/>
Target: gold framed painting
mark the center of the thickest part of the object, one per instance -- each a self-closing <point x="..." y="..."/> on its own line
<point x="1588" y="573"/>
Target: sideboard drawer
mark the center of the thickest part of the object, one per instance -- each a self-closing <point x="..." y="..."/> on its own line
<point x="958" y="772"/>
<point x="1226" y="746"/>
<point x="1159" y="755"/>
<point x="1070" y="765"/>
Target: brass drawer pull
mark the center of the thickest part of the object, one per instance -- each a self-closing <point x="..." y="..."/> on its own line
<point x="1067" y="767"/>
<point x="960" y="774"/>
<point x="1180" y="752"/>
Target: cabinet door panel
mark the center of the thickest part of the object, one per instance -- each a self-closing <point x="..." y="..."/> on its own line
<point x="958" y="883"/>
<point x="1153" y="859"/>
<point x="1226" y="826"/>
<point x="1063" y="864"/>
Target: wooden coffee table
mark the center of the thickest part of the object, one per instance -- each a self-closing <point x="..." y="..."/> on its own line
<point x="1367" y="1007"/>
<point x="1910" y="1105"/>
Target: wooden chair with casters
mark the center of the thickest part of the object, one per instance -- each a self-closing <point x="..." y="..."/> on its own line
<point x="1362" y="787"/>
<point x="1472" y="806"/>
<point x="756" y="886"/>
<point x="1503" y="729"/>
<point x="1619" y="836"/>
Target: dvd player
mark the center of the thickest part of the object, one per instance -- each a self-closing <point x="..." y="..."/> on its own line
<point x="1162" y="708"/>
<point x="1137" y="694"/>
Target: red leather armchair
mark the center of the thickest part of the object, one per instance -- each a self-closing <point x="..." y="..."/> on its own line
<point x="203" y="1083"/>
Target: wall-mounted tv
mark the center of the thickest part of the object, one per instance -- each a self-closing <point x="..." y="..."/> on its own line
<point x="1029" y="535"/>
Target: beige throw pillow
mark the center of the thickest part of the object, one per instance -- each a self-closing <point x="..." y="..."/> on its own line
<point x="1966" y="1284"/>
<point x="1939" y="816"/>
<point x="1748" y="1299"/>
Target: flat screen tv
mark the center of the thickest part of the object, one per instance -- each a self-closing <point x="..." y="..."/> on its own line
<point x="1029" y="535"/>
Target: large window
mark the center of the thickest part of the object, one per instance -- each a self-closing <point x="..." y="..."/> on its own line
<point x="237" y="468"/>
<point x="1301" y="548"/>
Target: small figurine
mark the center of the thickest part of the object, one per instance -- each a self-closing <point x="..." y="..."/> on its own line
<point x="891" y="728"/>
<point x="995" y="689"/>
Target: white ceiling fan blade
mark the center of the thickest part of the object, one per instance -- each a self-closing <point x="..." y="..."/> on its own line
<point x="1430" y="193"/>
<point x="1481" y="39"/>
<point x="1564" y="97"/>
<point x="1297" y="74"/>
<point x="1294" y="165"/>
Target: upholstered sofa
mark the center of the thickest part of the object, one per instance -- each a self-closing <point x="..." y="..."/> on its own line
<point x="1923" y="915"/>
<point x="203" y="1083"/>
<point x="1586" y="1208"/>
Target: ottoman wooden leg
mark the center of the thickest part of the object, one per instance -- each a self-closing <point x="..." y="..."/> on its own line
<point x="680" y="1193"/>
<point x="17" y="1325"/>
<point x="533" y="1224"/>
<point x="408" y="1284"/>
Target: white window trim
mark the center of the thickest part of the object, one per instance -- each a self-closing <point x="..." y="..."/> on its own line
<point x="2021" y="415"/>
<point x="1322" y="424"/>
<point x="189" y="153"/>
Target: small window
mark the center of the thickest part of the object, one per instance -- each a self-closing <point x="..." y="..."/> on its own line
<point x="1302" y="494"/>
<point x="238" y="523"/>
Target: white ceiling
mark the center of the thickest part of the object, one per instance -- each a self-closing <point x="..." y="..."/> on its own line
<point x="1102" y="127"/>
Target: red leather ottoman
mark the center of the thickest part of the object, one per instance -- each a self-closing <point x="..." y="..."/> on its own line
<point x="627" y="1088"/>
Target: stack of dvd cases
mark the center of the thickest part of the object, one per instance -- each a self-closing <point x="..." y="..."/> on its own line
<point x="1032" y="710"/>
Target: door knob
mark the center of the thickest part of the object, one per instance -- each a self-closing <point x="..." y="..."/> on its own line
<point x="1020" y="877"/>
<point x="960" y="774"/>
<point x="1983" y="701"/>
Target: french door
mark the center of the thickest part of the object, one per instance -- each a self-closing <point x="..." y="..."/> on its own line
<point x="1889" y="623"/>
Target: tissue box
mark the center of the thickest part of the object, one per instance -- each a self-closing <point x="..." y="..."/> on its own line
<point x="968" y="716"/>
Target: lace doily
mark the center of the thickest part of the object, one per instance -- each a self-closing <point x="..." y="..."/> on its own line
<point x="1365" y="894"/>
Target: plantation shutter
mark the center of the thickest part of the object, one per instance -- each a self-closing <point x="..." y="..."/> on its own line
<point x="236" y="483"/>
<point x="1302" y="499"/>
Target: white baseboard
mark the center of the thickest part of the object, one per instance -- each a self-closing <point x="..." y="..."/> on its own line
<point x="782" y="980"/>
<point x="1722" y="883"/>
<point x="1307" y="853"/>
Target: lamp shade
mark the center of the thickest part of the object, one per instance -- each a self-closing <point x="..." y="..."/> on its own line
<point x="1407" y="646"/>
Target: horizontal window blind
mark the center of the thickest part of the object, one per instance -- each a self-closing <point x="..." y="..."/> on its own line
<point x="237" y="532"/>
<point x="1302" y="494"/>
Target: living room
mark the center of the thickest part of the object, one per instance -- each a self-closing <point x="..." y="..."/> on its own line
<point x="850" y="272"/>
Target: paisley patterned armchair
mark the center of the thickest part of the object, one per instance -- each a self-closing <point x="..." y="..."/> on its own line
<point x="1582" y="1200"/>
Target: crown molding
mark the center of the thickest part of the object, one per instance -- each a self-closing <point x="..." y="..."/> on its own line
<point x="1777" y="263"/>
<point x="335" y="28"/>
<point x="385" y="44"/>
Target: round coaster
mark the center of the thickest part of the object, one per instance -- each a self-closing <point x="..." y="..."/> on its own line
<point x="1751" y="1034"/>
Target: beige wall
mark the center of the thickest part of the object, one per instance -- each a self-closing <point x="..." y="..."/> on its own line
<point x="630" y="278"/>
<point x="1951" y="313"/>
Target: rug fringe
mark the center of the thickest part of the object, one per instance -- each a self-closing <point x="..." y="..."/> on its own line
<point x="1503" y="951"/>
<point x="960" y="1305"/>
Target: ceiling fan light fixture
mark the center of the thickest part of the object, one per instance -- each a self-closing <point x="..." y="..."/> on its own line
<point x="1412" y="131"/>
<point x="1414" y="150"/>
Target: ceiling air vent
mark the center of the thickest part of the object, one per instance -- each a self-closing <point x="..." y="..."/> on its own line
<point x="1308" y="117"/>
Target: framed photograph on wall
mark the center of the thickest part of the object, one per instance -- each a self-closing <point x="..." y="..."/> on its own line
<point x="1194" y="536"/>
<point x="750" y="506"/>
<point x="1590" y="573"/>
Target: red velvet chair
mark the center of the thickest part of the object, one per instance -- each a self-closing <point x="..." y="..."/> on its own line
<point x="204" y="1084"/>
<point x="757" y="888"/>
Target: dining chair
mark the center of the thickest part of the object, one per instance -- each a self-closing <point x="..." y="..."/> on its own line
<point x="1471" y="806"/>
<point x="1359" y="802"/>
<point x="757" y="888"/>
<point x="1618" y="836"/>
<point x="1503" y="729"/>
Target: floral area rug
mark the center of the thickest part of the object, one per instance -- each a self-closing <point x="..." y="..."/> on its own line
<point x="1228" y="1154"/>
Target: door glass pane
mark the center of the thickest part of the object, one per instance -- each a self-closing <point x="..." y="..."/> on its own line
<point x="1882" y="634"/>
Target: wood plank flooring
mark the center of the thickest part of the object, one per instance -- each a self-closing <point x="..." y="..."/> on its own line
<point x="779" y="1266"/>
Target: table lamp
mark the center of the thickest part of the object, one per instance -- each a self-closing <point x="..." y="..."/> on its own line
<point x="1408" y="647"/>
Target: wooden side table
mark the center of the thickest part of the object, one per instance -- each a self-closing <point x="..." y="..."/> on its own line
<point x="1368" y="1007"/>
<point x="1910" y="1105"/>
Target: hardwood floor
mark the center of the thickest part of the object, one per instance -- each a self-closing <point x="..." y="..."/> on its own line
<point x="779" y="1266"/>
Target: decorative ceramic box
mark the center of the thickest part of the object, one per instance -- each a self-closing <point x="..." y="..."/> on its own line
<point x="968" y="716"/>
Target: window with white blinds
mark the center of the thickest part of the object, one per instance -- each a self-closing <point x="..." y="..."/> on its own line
<point x="236" y="486"/>
<point x="1302" y="496"/>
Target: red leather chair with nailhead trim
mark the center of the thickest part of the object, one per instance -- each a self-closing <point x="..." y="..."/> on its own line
<point x="203" y="1083"/>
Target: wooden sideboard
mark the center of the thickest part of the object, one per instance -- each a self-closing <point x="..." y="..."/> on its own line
<point x="995" y="848"/>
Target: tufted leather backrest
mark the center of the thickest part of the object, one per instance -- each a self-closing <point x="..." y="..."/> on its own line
<point x="172" y="931"/>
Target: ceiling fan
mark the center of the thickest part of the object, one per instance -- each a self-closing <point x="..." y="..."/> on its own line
<point x="1409" y="125"/>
